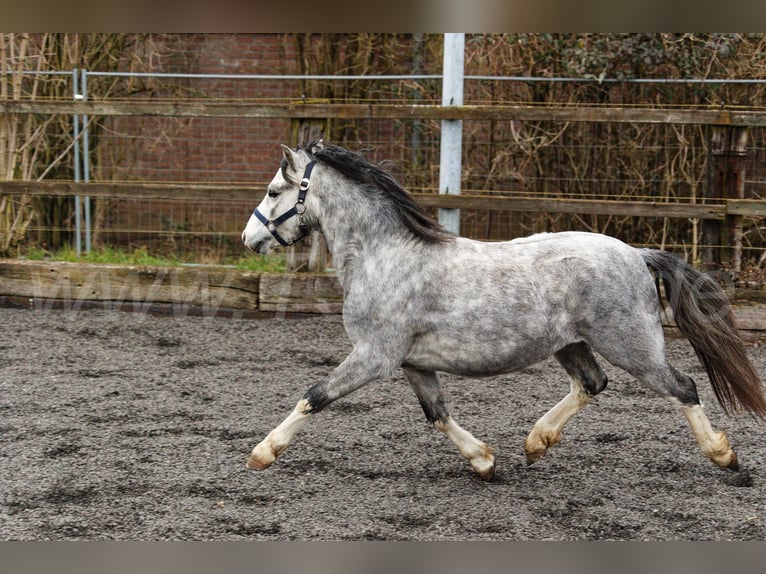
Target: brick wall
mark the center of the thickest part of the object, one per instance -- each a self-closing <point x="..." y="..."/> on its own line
<point x="200" y="150"/>
<point x="206" y="149"/>
<point x="226" y="150"/>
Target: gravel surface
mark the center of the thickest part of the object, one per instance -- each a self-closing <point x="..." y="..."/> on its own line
<point x="132" y="426"/>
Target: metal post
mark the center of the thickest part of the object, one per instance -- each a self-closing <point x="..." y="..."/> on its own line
<point x="452" y="130"/>
<point x="76" y="133"/>
<point x="86" y="160"/>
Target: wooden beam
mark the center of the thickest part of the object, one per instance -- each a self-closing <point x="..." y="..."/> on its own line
<point x="300" y="293"/>
<point x="136" y="190"/>
<point x="580" y="206"/>
<point x="746" y="207"/>
<point x="209" y="287"/>
<point x="251" y="195"/>
<point x="213" y="108"/>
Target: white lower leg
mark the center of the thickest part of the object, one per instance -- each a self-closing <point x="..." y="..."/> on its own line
<point x="713" y="443"/>
<point x="547" y="430"/>
<point x="277" y="440"/>
<point x="478" y="453"/>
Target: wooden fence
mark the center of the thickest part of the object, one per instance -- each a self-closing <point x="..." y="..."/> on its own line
<point x="721" y="211"/>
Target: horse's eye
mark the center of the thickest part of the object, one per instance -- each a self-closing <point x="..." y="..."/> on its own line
<point x="273" y="193"/>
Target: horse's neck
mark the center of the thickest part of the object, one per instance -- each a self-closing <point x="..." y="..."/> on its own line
<point x="349" y="250"/>
<point x="355" y="240"/>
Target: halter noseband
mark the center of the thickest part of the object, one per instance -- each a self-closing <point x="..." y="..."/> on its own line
<point x="298" y="209"/>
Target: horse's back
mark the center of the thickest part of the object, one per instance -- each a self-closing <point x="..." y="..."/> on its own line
<point x="571" y="243"/>
<point x="589" y="273"/>
<point x="577" y="254"/>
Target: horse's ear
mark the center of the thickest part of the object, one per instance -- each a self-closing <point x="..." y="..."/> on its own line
<point x="289" y="156"/>
<point x="318" y="145"/>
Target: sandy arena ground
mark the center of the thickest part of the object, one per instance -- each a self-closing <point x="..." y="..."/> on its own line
<point x="131" y="426"/>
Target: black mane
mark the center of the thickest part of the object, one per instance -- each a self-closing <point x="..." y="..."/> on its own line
<point x="361" y="170"/>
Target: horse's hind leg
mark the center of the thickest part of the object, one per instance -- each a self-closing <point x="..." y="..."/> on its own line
<point x="651" y="368"/>
<point x="429" y="393"/>
<point x="713" y="443"/>
<point x="681" y="389"/>
<point x="586" y="381"/>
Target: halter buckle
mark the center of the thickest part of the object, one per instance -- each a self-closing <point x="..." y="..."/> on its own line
<point x="304" y="184"/>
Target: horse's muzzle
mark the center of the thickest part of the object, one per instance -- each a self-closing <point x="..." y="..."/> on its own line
<point x="261" y="247"/>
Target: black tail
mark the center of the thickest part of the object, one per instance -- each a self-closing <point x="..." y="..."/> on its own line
<point x="702" y="312"/>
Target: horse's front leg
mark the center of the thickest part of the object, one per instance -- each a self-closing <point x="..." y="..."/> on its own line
<point x="429" y="393"/>
<point x="267" y="451"/>
<point x="359" y="368"/>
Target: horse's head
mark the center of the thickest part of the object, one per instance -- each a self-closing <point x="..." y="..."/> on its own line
<point x="281" y="217"/>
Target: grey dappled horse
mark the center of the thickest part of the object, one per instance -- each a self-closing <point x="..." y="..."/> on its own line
<point x="420" y="298"/>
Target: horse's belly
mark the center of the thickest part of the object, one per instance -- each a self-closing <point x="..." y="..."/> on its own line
<point x="475" y="356"/>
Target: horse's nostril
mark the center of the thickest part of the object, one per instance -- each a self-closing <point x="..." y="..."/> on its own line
<point x="244" y="237"/>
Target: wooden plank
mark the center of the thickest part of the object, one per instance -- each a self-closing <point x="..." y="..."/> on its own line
<point x="136" y="190"/>
<point x="251" y="195"/>
<point x="300" y="293"/>
<point x="749" y="319"/>
<point x="746" y="207"/>
<point x="580" y="206"/>
<point x="250" y="109"/>
<point x="210" y="288"/>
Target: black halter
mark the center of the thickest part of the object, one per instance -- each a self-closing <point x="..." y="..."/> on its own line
<point x="298" y="209"/>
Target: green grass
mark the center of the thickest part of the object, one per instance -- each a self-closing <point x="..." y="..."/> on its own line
<point x="260" y="263"/>
<point x="140" y="256"/>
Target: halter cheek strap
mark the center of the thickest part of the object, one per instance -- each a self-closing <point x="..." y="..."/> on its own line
<point x="298" y="209"/>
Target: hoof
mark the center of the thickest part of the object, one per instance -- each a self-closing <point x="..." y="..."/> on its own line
<point x="483" y="463"/>
<point x="254" y="464"/>
<point x="489" y="475"/>
<point x="534" y="456"/>
<point x="538" y="443"/>
<point x="726" y="460"/>
<point x="485" y="468"/>
<point x="262" y="457"/>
